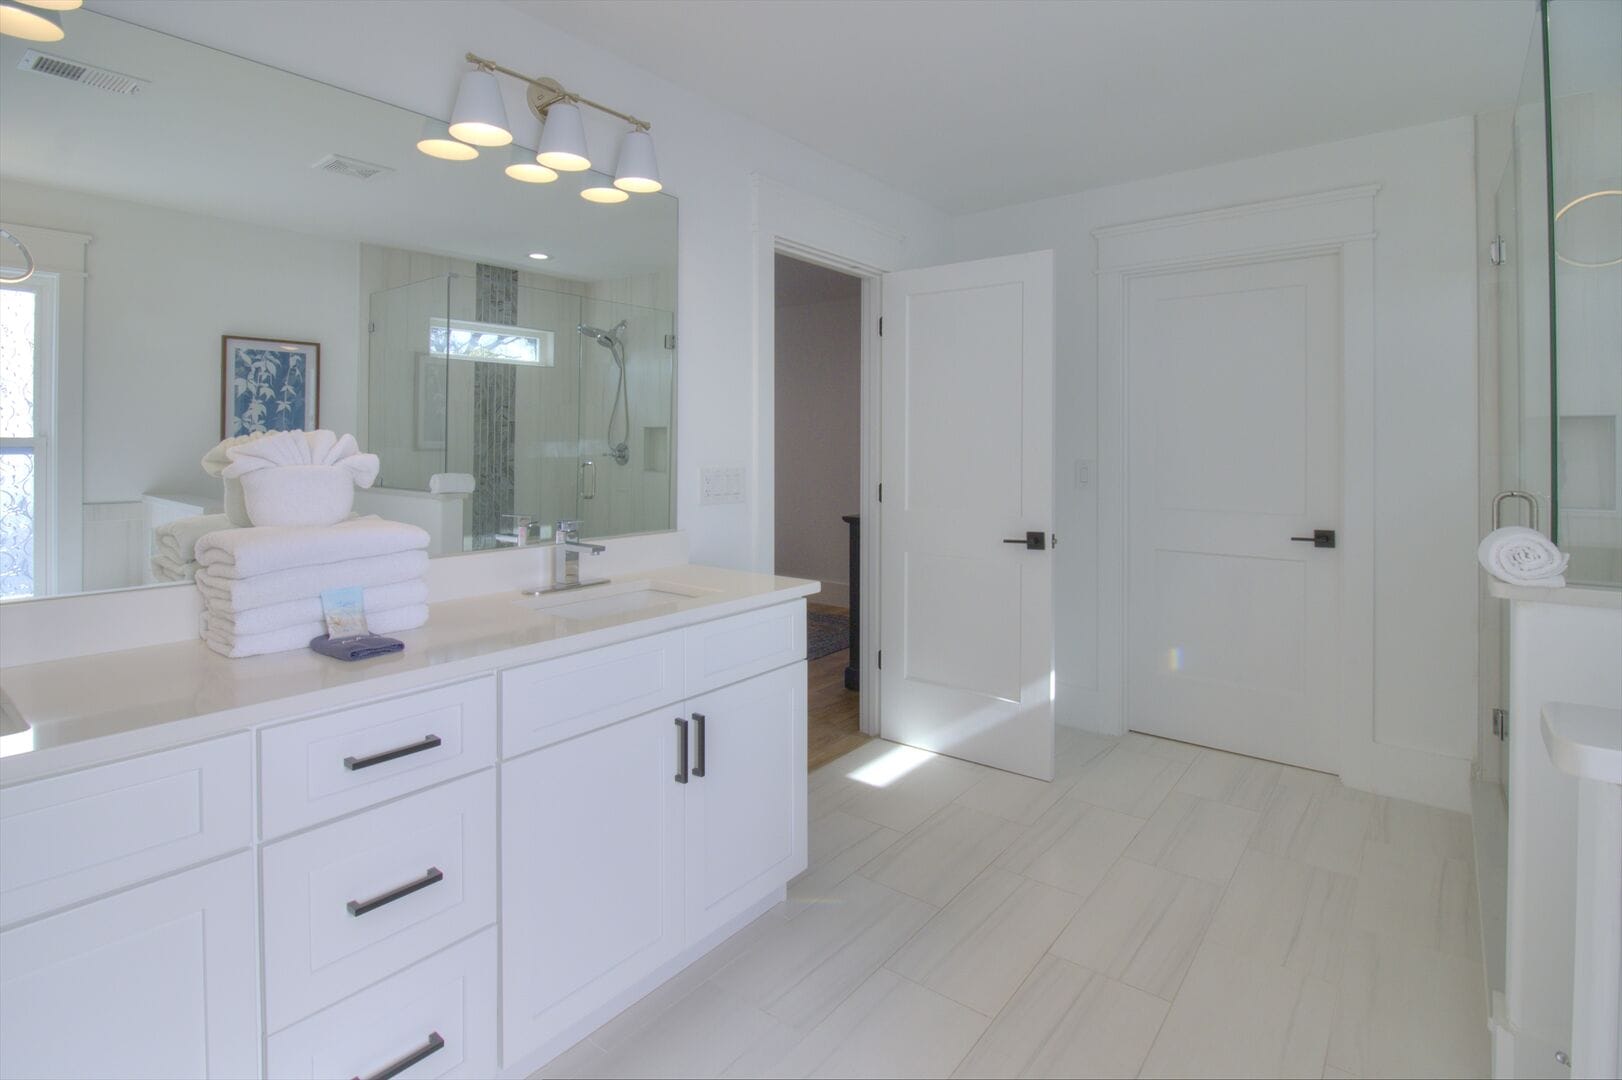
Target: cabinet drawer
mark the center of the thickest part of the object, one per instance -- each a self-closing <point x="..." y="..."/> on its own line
<point x="743" y="646"/>
<point x="71" y="837"/>
<point x="362" y="898"/>
<point x="441" y="1011"/>
<point x="329" y="765"/>
<point x="558" y="699"/>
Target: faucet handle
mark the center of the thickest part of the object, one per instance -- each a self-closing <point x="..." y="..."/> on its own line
<point x="520" y="521"/>
<point x="569" y="529"/>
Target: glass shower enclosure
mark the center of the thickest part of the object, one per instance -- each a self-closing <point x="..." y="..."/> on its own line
<point x="503" y="390"/>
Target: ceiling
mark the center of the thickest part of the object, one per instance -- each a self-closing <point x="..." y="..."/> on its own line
<point x="974" y="104"/>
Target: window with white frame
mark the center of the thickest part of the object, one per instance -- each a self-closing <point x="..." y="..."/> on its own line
<point x="27" y="370"/>
<point x="490" y="342"/>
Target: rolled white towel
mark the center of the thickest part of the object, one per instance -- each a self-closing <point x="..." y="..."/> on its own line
<point x="178" y="539"/>
<point x="1522" y="556"/>
<point x="242" y="553"/>
<point x="261" y="620"/>
<point x="299" y="637"/>
<point x="451" y="483"/>
<point x="279" y="586"/>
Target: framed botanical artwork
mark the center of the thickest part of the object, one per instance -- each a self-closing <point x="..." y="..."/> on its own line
<point x="268" y="385"/>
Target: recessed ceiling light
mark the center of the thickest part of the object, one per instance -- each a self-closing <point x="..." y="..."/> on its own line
<point x="539" y="255"/>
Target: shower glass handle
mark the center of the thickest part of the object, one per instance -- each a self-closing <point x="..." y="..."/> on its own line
<point x="588" y="479"/>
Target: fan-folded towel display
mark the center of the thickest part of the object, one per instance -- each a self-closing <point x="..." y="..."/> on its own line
<point x="1522" y="556"/>
<point x="300" y="477"/>
<point x="214" y="463"/>
<point x="262" y="620"/>
<point x="301" y="582"/>
<point x="289" y="638"/>
<point x="243" y="553"/>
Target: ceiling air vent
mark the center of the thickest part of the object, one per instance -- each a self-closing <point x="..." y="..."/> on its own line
<point x="354" y="168"/>
<point x="84" y="74"/>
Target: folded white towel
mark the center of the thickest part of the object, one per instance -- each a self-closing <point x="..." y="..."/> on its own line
<point x="451" y="483"/>
<point x="301" y="582"/>
<point x="299" y="637"/>
<point x="242" y="553"/>
<point x="165" y="568"/>
<point x="178" y="539"/>
<point x="260" y="620"/>
<point x="1523" y="556"/>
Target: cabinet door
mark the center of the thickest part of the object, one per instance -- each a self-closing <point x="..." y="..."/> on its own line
<point x="158" y="981"/>
<point x="591" y="889"/>
<point x="746" y="812"/>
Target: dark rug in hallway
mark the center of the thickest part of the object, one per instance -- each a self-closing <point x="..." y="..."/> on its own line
<point x="826" y="633"/>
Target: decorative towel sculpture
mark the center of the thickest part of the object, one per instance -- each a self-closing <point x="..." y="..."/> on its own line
<point x="1522" y="556"/>
<point x="299" y="477"/>
<point x="214" y="463"/>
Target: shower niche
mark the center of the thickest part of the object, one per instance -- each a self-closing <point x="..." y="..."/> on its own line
<point x="550" y="397"/>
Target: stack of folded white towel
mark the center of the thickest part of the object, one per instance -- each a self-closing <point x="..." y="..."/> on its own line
<point x="174" y="556"/>
<point x="1523" y="556"/>
<point x="262" y="587"/>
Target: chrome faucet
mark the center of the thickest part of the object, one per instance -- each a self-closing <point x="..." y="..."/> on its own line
<point x="519" y="537"/>
<point x="566" y="549"/>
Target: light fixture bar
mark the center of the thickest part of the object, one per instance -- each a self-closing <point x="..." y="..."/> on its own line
<point x="554" y="92"/>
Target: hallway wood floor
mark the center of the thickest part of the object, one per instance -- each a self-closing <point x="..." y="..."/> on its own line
<point x="833" y="726"/>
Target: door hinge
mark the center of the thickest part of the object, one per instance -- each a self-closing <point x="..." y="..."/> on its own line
<point x="1500" y="723"/>
<point x="881" y="659"/>
<point x="881" y="326"/>
<point x="881" y="492"/>
<point x="670" y="341"/>
<point x="1497" y="251"/>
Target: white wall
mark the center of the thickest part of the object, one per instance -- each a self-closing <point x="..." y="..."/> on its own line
<point x="1425" y="377"/>
<point x="819" y="438"/>
<point x="409" y="52"/>
<point x="163" y="287"/>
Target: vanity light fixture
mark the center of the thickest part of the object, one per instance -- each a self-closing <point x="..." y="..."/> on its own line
<point x="479" y="117"/>
<point x="638" y="171"/>
<point x="20" y="20"/>
<point x="525" y="168"/>
<point x="435" y="141"/>
<point x="602" y="193"/>
<point x="563" y="139"/>
<point x="1608" y="193"/>
<point x="56" y="5"/>
<point x="539" y="255"/>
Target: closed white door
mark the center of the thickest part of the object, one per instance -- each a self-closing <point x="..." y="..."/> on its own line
<point x="745" y="794"/>
<point x="158" y="981"/>
<point x="966" y="581"/>
<point x="591" y="874"/>
<point x="1234" y="451"/>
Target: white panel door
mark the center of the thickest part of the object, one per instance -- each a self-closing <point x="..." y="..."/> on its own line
<point x="159" y="981"/>
<point x="1234" y="450"/>
<point x="591" y="873"/>
<point x="746" y="827"/>
<point x="966" y="618"/>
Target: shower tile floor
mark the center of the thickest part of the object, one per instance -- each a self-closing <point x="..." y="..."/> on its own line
<point x="1158" y="910"/>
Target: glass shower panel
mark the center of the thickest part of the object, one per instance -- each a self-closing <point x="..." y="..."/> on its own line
<point x="546" y="426"/>
<point x="632" y="495"/>
<point x="408" y="399"/>
<point x="1585" y="158"/>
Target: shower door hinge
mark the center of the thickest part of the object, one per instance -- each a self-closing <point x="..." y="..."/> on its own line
<point x="1497" y="251"/>
<point x="1500" y="723"/>
<point x="670" y="341"/>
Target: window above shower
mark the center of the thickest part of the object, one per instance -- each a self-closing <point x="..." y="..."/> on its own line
<point x="412" y="290"/>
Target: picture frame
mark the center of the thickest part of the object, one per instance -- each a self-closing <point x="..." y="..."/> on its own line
<point x="268" y="384"/>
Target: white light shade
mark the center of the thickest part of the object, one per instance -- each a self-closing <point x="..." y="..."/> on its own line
<point x="435" y="141"/>
<point x="539" y="255"/>
<point x="56" y="5"/>
<point x="563" y="139"/>
<point x="29" y="24"/>
<point x="479" y="117"/>
<point x="602" y="193"/>
<point x="523" y="167"/>
<point x="638" y="172"/>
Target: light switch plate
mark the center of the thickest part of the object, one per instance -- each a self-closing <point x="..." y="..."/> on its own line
<point x="720" y="485"/>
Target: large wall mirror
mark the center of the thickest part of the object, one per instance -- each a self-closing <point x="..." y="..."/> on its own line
<point x="225" y="247"/>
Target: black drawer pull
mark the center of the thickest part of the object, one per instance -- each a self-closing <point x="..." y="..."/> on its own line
<point x="434" y="1044"/>
<point x="698" y="744"/>
<point x="428" y="743"/>
<point x="361" y="907"/>
<point x="681" y="751"/>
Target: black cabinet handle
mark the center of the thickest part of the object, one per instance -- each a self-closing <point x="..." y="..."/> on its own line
<point x="434" y="1044"/>
<point x="1320" y="538"/>
<point x="1035" y="541"/>
<point x="681" y="751"/>
<point x="428" y="742"/>
<point x="698" y="742"/>
<point x="361" y="907"/>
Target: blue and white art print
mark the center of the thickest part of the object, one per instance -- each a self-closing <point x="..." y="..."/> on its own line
<point x="269" y="386"/>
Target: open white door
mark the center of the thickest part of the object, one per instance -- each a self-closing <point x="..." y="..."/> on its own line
<point x="966" y="607"/>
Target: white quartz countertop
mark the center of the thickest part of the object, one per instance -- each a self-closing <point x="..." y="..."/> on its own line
<point x="90" y="709"/>
<point x="1584" y="740"/>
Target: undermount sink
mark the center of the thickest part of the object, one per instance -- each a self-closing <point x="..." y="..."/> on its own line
<point x="606" y="601"/>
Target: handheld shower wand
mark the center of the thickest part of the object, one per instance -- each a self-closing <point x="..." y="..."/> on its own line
<point x="614" y="341"/>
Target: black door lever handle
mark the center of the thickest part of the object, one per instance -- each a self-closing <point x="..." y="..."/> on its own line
<point x="1035" y="541"/>
<point x="1321" y="538"/>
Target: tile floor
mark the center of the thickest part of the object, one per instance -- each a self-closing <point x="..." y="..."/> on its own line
<point x="1158" y="910"/>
